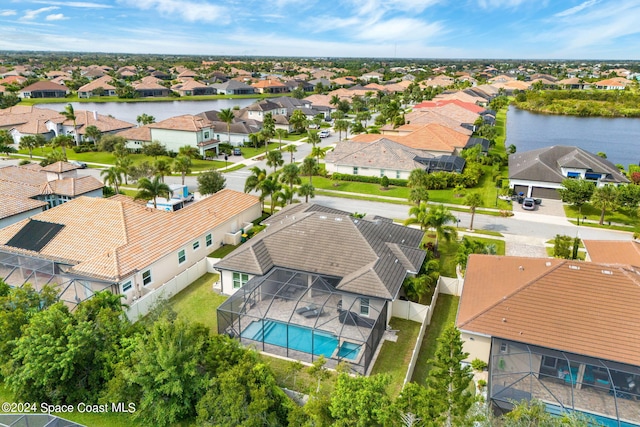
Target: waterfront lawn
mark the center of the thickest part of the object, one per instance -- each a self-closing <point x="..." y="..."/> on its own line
<point x="443" y="315"/>
<point x="394" y="357"/>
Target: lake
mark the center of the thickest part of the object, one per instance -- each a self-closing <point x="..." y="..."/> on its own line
<point x="161" y="110"/>
<point x="618" y="138"/>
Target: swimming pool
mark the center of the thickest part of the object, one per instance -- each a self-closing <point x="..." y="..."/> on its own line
<point x="599" y="420"/>
<point x="349" y="350"/>
<point x="299" y="338"/>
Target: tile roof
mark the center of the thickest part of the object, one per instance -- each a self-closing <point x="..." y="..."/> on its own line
<point x="44" y="85"/>
<point x="614" y="251"/>
<point x="142" y="133"/>
<point x="432" y="137"/>
<point x="474" y="108"/>
<point x="369" y="257"/>
<point x="111" y="238"/>
<point x="103" y="82"/>
<point x="12" y="205"/>
<point x="579" y="307"/>
<point x="383" y="154"/>
<point x="186" y="122"/>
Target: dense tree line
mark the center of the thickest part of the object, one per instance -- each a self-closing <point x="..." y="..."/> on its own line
<point x="603" y="103"/>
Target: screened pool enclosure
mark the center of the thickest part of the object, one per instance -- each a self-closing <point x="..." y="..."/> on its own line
<point x="302" y="316"/>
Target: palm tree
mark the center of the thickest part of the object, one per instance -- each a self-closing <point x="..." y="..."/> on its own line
<point x="112" y="177"/>
<point x="226" y="115"/>
<point x="284" y="196"/>
<point x="269" y="187"/>
<point x="417" y="183"/>
<point x="94" y="133"/>
<point x="605" y="198"/>
<point x="341" y="125"/>
<point x="281" y="133"/>
<point x="256" y="139"/>
<point x="298" y="120"/>
<point x="162" y="168"/>
<point x="124" y="164"/>
<point x="290" y="174"/>
<point x="437" y="218"/>
<point x="182" y="165"/>
<point x="63" y="142"/>
<point x="335" y="100"/>
<point x="274" y="159"/>
<point x="268" y="129"/>
<point x="145" y="119"/>
<point x="291" y="149"/>
<point x="70" y="114"/>
<point x="28" y="142"/>
<point x="318" y="153"/>
<point x="307" y="190"/>
<point x="418" y="215"/>
<point x="309" y="167"/>
<point x="152" y="189"/>
<point x="188" y="150"/>
<point x="254" y="180"/>
<point x="473" y="200"/>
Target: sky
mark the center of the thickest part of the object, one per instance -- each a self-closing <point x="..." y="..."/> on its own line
<point x="500" y="29"/>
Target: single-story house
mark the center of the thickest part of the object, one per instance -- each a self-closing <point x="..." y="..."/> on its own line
<point x="560" y="331"/>
<point x="150" y="86"/>
<point x="99" y="87"/>
<point x="540" y="172"/>
<point x="92" y="244"/>
<point x="233" y="87"/>
<point x="44" y="89"/>
<point x="30" y="189"/>
<point x="317" y="281"/>
<point x="193" y="87"/>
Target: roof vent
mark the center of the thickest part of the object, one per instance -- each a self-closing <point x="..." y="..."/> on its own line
<point x="609" y="272"/>
<point x="574" y="267"/>
<point x="322" y="217"/>
<point x="338" y="219"/>
<point x="504" y="320"/>
<point x="521" y="268"/>
<point x="548" y="263"/>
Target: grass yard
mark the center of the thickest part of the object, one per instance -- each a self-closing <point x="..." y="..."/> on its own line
<point x="284" y="371"/>
<point x="620" y="216"/>
<point x="448" y="250"/>
<point x="394" y="357"/>
<point x="198" y="302"/>
<point x="443" y="315"/>
<point x="249" y="152"/>
<point x="222" y="251"/>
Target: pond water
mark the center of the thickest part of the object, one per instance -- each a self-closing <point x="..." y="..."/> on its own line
<point x="161" y="110"/>
<point x="618" y="138"/>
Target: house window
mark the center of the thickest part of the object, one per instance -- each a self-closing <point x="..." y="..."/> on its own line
<point x="504" y="347"/>
<point x="196" y="244"/>
<point x="573" y="174"/>
<point x="206" y="135"/>
<point x="126" y="286"/>
<point x="381" y="173"/>
<point x="208" y="240"/>
<point x="593" y="176"/>
<point x="239" y="280"/>
<point x="355" y="170"/>
<point x="364" y="306"/>
<point x="146" y="277"/>
<point x="398" y="174"/>
<point x="182" y="256"/>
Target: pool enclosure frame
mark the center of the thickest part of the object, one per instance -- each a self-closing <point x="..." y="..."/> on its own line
<point x="564" y="381"/>
<point x="310" y="301"/>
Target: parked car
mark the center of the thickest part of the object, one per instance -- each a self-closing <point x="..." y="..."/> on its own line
<point x="528" y="204"/>
<point x="237" y="151"/>
<point x="78" y="163"/>
<point x="324" y="133"/>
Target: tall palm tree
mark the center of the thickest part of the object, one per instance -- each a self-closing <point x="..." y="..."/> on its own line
<point x="605" y="198"/>
<point x="62" y="141"/>
<point x="152" y="189"/>
<point x="188" y="150"/>
<point x="94" y="133"/>
<point x="124" y="164"/>
<point x="281" y="133"/>
<point x="268" y="188"/>
<point x="341" y="125"/>
<point x="473" y="200"/>
<point x="418" y="215"/>
<point x="28" y="142"/>
<point x="290" y="174"/>
<point x="226" y="115"/>
<point x="309" y="167"/>
<point x="254" y="180"/>
<point x="70" y="114"/>
<point x="274" y="159"/>
<point x="112" y="177"/>
<point x="291" y="149"/>
<point x="284" y="196"/>
<point x="256" y="139"/>
<point x="437" y="218"/>
<point x="182" y="165"/>
<point x="268" y="129"/>
<point x="307" y="190"/>
<point x="162" y="168"/>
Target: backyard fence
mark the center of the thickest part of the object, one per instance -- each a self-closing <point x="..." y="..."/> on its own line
<point x="426" y="321"/>
<point x="142" y="306"/>
<point x="451" y="285"/>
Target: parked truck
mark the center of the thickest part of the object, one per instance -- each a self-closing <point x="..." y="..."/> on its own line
<point x="181" y="192"/>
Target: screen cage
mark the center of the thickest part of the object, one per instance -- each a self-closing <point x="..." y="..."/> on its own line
<point x="605" y="391"/>
<point x="302" y="316"/>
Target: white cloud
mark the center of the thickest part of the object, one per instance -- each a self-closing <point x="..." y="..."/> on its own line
<point x="191" y="11"/>
<point x="32" y="14"/>
<point x="398" y="30"/>
<point x="79" y="4"/>
<point x="491" y="4"/>
<point x="576" y="9"/>
<point x="56" y="17"/>
<point x="8" y="13"/>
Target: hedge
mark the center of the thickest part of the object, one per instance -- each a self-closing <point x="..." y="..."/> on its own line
<point x="368" y="179"/>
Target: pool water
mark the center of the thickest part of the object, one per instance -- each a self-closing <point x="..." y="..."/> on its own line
<point x="349" y="350"/>
<point x="599" y="420"/>
<point x="299" y="338"/>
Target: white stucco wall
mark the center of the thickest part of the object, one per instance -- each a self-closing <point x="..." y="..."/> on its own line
<point x="19" y="217"/>
<point x="478" y="346"/>
<point x="368" y="171"/>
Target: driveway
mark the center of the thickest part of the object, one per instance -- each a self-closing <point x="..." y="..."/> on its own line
<point x="548" y="207"/>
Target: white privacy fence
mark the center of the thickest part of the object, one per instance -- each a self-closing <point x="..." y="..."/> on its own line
<point x="140" y="307"/>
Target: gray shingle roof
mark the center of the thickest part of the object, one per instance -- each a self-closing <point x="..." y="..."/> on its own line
<point x="544" y="164"/>
<point x="383" y="154"/>
<point x="370" y="257"/>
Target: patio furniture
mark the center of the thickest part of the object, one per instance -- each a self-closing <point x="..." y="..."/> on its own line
<point x="312" y="313"/>
<point x="306" y="308"/>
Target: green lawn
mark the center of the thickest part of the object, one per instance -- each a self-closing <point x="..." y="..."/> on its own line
<point x="284" y="373"/>
<point x="249" y="152"/>
<point x="222" y="251"/>
<point x="620" y="216"/>
<point x="394" y="357"/>
<point x="443" y="315"/>
<point x="448" y="250"/>
<point x="198" y="302"/>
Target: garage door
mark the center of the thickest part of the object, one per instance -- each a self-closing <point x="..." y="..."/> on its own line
<point x="517" y="189"/>
<point x="545" y="193"/>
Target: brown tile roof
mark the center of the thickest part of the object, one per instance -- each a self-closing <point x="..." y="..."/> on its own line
<point x="143" y="133"/>
<point x="268" y="83"/>
<point x="614" y="251"/>
<point x="11" y="205"/>
<point x="103" y="82"/>
<point x="431" y="137"/>
<point x="44" y="85"/>
<point x="86" y="118"/>
<point x="112" y="238"/>
<point x="474" y="108"/>
<point x="186" y="122"/>
<point x="579" y="307"/>
<point x="60" y="167"/>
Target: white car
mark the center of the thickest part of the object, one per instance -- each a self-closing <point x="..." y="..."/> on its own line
<point x="324" y="133"/>
<point x="81" y="165"/>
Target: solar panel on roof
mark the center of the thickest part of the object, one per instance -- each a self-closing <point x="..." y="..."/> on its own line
<point x="35" y="235"/>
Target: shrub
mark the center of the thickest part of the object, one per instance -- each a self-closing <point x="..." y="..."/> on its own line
<point x="481" y="384"/>
<point x="384" y="181"/>
<point x="478" y="364"/>
<point x="368" y="179"/>
<point x="23" y="162"/>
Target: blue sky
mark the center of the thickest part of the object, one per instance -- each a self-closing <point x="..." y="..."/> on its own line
<point x="532" y="29"/>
